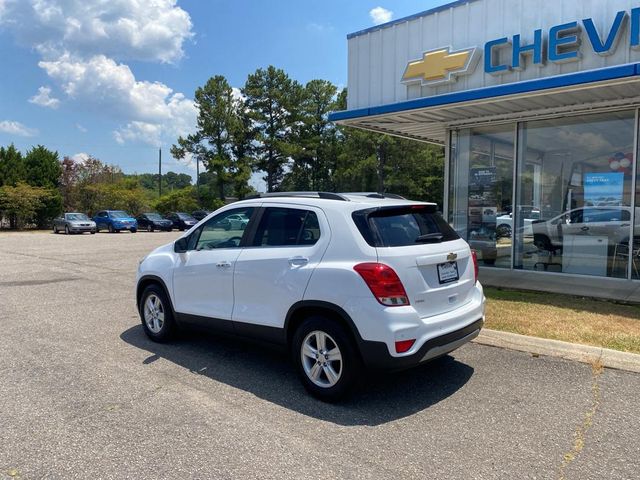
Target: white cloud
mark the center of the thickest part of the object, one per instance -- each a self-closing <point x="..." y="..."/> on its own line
<point x="319" y="27"/>
<point x="44" y="98"/>
<point x="81" y="128"/>
<point x="380" y="15"/>
<point x="16" y="128"/>
<point x="83" y="44"/>
<point x="236" y="93"/>
<point x="151" y="30"/>
<point x="80" y="157"/>
<point x="152" y="109"/>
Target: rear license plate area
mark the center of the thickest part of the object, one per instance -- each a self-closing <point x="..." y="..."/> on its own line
<point x="448" y="272"/>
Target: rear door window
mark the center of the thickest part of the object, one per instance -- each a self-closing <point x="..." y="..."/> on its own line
<point x="403" y="226"/>
<point x="281" y="227"/>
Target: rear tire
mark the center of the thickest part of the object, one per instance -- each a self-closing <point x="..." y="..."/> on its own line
<point x="156" y="314"/>
<point x="326" y="358"/>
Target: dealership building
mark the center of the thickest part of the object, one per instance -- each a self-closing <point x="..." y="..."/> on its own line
<point x="537" y="104"/>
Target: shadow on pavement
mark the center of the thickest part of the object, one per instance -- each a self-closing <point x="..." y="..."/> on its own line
<point x="267" y="373"/>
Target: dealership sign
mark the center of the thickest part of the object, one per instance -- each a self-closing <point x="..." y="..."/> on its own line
<point x="560" y="44"/>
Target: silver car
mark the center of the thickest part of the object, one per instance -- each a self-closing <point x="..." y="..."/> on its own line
<point x="74" y="223"/>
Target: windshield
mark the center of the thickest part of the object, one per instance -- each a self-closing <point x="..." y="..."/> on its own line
<point x="185" y="216"/>
<point x="76" y="216"/>
<point x="119" y="214"/>
<point x="153" y="216"/>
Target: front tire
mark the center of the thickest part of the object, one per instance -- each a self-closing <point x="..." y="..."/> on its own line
<point x="111" y="230"/>
<point x="156" y="314"/>
<point x="66" y="230"/>
<point x="326" y="358"/>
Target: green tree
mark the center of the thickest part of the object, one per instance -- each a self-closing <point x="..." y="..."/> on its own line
<point x="42" y="167"/>
<point x="211" y="143"/>
<point x="178" y="201"/>
<point x="242" y="135"/>
<point x="12" y="168"/>
<point x="315" y="156"/>
<point x="22" y="202"/>
<point x="272" y="101"/>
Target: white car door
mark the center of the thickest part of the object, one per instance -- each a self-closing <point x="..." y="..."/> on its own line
<point x="203" y="275"/>
<point x="272" y="273"/>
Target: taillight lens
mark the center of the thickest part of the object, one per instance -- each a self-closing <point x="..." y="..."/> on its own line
<point x="474" y="255"/>
<point x="384" y="283"/>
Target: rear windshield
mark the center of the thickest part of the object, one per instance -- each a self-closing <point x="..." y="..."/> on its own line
<point x="403" y="226"/>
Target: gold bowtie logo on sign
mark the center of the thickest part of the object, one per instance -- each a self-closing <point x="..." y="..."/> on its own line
<point x="440" y="66"/>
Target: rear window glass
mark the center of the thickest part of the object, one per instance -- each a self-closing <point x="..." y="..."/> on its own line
<point x="403" y="226"/>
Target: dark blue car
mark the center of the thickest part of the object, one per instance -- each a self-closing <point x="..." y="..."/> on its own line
<point x="114" y="221"/>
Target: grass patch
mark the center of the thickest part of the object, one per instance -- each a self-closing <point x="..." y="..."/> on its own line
<point x="568" y="318"/>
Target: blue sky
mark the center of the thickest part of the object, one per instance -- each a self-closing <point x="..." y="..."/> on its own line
<point x="115" y="78"/>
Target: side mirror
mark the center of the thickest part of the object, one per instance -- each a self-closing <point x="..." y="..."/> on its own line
<point x="181" y="245"/>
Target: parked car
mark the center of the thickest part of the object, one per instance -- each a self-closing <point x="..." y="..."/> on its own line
<point x="504" y="223"/>
<point x="200" y="214"/>
<point x="235" y="222"/>
<point x="344" y="281"/>
<point x="115" y="221"/>
<point x="611" y="222"/>
<point x="154" y="221"/>
<point x="74" y="222"/>
<point x="182" y="221"/>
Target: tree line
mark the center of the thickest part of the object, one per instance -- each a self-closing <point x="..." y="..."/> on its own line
<point x="280" y="127"/>
<point x="274" y="126"/>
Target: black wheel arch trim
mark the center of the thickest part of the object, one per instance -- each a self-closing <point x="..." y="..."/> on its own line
<point x="146" y="279"/>
<point x="303" y="304"/>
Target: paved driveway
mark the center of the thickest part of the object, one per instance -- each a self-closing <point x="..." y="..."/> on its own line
<point x="84" y="394"/>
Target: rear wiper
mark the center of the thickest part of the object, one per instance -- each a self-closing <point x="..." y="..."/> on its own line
<point x="430" y="238"/>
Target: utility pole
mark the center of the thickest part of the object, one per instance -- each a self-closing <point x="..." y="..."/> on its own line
<point x="159" y="172"/>
<point x="198" y="180"/>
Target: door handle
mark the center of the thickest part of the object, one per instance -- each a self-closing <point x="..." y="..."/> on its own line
<point x="298" y="261"/>
<point x="223" y="264"/>
<point x="584" y="229"/>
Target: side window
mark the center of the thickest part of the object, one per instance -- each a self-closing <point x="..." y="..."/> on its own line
<point x="222" y="231"/>
<point x="287" y="227"/>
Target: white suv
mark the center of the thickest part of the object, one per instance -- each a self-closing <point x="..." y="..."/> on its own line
<point x="343" y="280"/>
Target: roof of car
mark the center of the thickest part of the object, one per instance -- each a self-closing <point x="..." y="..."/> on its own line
<point x="338" y="201"/>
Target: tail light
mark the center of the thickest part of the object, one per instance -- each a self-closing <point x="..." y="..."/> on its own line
<point x="474" y="255"/>
<point x="384" y="283"/>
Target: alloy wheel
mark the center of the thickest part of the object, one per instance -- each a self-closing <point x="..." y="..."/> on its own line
<point x="321" y="359"/>
<point x="154" y="313"/>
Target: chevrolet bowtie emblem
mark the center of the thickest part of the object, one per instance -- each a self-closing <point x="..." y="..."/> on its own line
<point x="440" y="66"/>
<point x="452" y="257"/>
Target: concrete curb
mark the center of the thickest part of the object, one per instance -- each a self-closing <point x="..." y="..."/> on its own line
<point x="629" y="362"/>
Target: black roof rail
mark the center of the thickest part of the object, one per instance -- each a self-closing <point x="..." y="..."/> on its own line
<point x="324" y="195"/>
<point x="377" y="195"/>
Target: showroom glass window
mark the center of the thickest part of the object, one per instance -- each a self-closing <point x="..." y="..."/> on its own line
<point x="481" y="191"/>
<point x="635" y="260"/>
<point x="574" y="195"/>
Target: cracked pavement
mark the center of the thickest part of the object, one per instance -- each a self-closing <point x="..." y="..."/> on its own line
<point x="84" y="394"/>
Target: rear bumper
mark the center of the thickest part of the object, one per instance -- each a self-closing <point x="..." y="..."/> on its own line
<point x="376" y="354"/>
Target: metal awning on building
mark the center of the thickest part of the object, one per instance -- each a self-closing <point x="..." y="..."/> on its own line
<point x="427" y="119"/>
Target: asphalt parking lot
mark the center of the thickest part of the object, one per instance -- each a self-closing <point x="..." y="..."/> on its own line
<point x="84" y="394"/>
